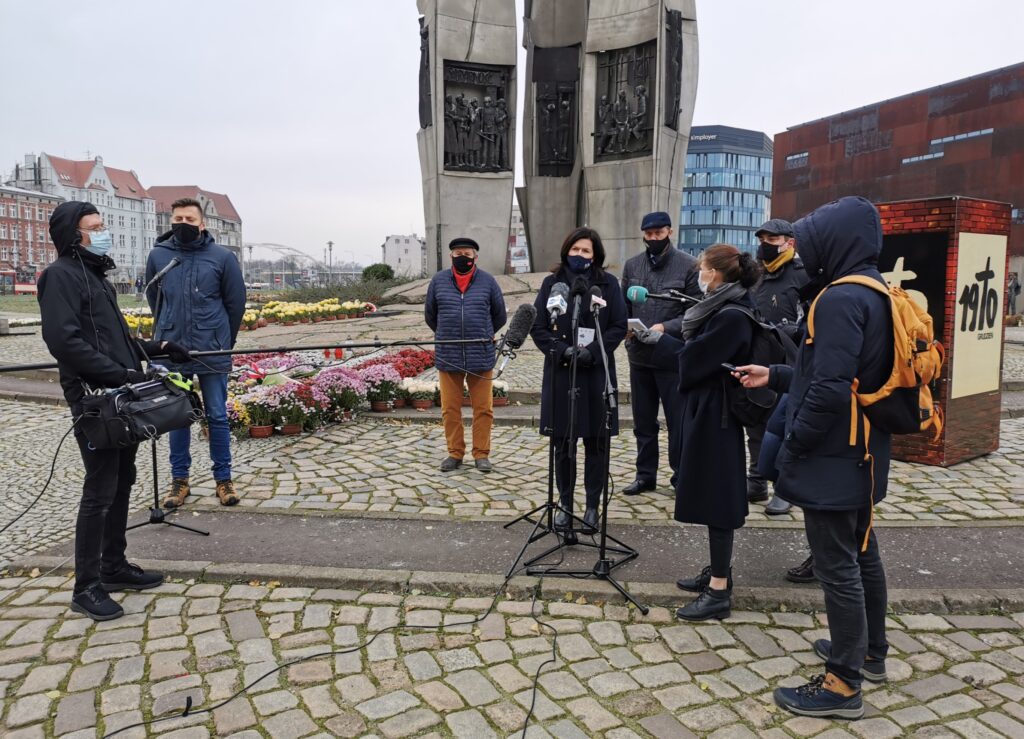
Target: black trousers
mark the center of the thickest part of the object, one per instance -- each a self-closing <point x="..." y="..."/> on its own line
<point x="854" y="586"/>
<point x="755" y="435"/>
<point x="593" y="470"/>
<point x="103" y="512"/>
<point x="648" y="387"/>
<point x="720" y="544"/>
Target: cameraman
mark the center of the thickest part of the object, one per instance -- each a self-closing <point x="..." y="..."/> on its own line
<point x="87" y="335"/>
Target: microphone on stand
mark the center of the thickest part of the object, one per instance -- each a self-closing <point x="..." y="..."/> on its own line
<point x="597" y="301"/>
<point x="160" y="275"/>
<point x="518" y="329"/>
<point x="557" y="305"/>
<point x="579" y="289"/>
<point x="638" y="295"/>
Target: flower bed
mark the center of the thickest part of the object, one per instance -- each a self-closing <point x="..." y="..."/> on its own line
<point x="407" y="362"/>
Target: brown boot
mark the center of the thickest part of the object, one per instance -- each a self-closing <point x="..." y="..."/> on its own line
<point x="226" y="492"/>
<point x="179" y="491"/>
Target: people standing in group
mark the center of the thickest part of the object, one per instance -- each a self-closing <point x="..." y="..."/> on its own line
<point x="465" y="302"/>
<point x="660" y="268"/>
<point x="199" y="303"/>
<point x="712" y="489"/>
<point x="86" y="333"/>
<point x="777" y="297"/>
<point x="829" y="464"/>
<point x="581" y="268"/>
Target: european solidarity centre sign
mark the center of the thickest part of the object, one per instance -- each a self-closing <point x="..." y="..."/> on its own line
<point x="980" y="281"/>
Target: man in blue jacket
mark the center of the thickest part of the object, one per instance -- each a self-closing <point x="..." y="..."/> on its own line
<point x="198" y="303"/>
<point x="834" y="481"/>
<point x="465" y="302"/>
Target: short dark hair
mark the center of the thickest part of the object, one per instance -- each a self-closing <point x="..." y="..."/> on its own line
<point x="187" y="203"/>
<point x="583" y="232"/>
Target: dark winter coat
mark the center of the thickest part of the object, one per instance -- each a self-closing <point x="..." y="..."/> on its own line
<point x="479" y="313"/>
<point x="675" y="270"/>
<point x="818" y="468"/>
<point x="777" y="295"/>
<point x="712" y="484"/>
<point x="554" y="404"/>
<point x="81" y="324"/>
<point x="203" y="299"/>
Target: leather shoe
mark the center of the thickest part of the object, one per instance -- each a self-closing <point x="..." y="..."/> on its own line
<point x="709" y="604"/>
<point x="803" y="572"/>
<point x="757" y="490"/>
<point x="638" y="486"/>
<point x="484" y="464"/>
<point x="777" y="506"/>
<point x="590" y="521"/>
<point x="450" y="464"/>
<point x="563" y="521"/>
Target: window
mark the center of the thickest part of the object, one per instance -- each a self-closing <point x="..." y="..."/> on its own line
<point x="39" y="213"/>
<point x="923" y="157"/>
<point x="3" y="209"/>
<point x="4" y="254"/>
<point x="962" y="136"/>
<point x="3" y="231"/>
<point x="14" y="232"/>
<point x="795" y="161"/>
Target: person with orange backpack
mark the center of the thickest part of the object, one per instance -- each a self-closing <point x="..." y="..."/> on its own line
<point x="833" y="463"/>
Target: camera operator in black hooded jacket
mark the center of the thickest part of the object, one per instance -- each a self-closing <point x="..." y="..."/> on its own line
<point x="85" y="332"/>
<point x="777" y="296"/>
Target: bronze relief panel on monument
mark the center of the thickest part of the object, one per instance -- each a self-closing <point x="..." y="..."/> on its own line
<point x="673" y="67"/>
<point x="623" y="126"/>
<point x="556" y="75"/>
<point x="477" y="117"/>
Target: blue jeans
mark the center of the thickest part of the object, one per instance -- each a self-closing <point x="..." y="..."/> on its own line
<point x="214" y="389"/>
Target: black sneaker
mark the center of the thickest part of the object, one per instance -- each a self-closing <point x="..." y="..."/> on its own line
<point x="700" y="582"/>
<point x="821" y="698"/>
<point x="803" y="572"/>
<point x="757" y="490"/>
<point x="709" y="604"/>
<point x="95" y="603"/>
<point x="131" y="577"/>
<point x="873" y="669"/>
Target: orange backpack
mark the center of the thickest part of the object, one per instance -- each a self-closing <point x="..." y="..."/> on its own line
<point x="904" y="404"/>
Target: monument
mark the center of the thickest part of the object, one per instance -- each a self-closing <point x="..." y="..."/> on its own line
<point x="467" y="82"/>
<point x="608" y="109"/>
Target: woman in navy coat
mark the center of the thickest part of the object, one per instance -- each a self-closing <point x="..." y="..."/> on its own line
<point x="580" y="269"/>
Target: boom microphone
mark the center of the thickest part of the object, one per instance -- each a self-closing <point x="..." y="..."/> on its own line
<point x="160" y="275"/>
<point x="518" y="329"/>
<point x="557" y="305"/>
<point x="638" y="295"/>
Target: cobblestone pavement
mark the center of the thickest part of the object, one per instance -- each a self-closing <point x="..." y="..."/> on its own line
<point x="618" y="674"/>
<point x="384" y="466"/>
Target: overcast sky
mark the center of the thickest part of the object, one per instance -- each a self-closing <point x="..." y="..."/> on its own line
<point x="305" y="112"/>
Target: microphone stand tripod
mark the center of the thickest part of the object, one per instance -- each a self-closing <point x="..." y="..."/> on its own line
<point x="157" y="515"/>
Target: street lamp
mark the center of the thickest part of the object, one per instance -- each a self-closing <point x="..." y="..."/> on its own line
<point x="249" y="264"/>
<point x="330" y="262"/>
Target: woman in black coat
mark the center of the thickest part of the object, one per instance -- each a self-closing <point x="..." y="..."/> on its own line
<point x="713" y="490"/>
<point x="580" y="270"/>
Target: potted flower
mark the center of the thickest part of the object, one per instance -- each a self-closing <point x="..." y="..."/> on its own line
<point x="401" y="395"/>
<point x="421" y="395"/>
<point x="259" y="415"/>
<point x="499" y="393"/>
<point x="291" y="413"/>
<point x="382" y="381"/>
<point x="343" y="388"/>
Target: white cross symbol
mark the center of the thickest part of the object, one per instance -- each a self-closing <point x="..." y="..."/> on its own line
<point x="898" y="275"/>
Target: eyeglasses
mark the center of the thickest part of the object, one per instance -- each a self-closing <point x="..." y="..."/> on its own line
<point x="97" y="230"/>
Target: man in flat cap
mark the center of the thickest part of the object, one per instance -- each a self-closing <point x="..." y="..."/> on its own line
<point x="465" y="302"/>
<point x="660" y="268"/>
<point x="778" y="299"/>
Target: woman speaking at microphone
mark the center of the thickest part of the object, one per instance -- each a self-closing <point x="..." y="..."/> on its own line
<point x="580" y="269"/>
<point x="713" y="490"/>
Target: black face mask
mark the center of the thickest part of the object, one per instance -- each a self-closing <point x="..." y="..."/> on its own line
<point x="185" y="233"/>
<point x="656" y="246"/>
<point x="462" y="264"/>
<point x="767" y="252"/>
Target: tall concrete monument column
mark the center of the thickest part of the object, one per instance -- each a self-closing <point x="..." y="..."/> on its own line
<point x="467" y="125"/>
<point x="630" y="104"/>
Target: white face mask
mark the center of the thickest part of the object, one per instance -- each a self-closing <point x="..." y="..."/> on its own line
<point x="703" y="285"/>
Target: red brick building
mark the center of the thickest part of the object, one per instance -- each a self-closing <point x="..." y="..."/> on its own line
<point x="962" y="138"/>
<point x="25" y="246"/>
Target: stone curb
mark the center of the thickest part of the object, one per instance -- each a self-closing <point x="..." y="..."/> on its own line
<point x="909" y="600"/>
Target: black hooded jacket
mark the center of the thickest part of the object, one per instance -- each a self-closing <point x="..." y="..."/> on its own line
<point x="818" y="467"/>
<point x="82" y="325"/>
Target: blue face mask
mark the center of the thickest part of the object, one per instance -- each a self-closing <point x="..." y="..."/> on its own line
<point x="578" y="264"/>
<point x="100" y="243"/>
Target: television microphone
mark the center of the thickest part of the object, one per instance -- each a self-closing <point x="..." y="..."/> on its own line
<point x="597" y="301"/>
<point x="518" y="329"/>
<point x="557" y="305"/>
<point x="638" y="295"/>
<point x="160" y="275"/>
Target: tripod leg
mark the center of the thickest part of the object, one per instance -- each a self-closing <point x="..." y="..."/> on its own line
<point x="615" y="584"/>
<point x="187" y="528"/>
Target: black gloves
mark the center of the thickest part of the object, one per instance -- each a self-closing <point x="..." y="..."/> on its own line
<point x="583" y="356"/>
<point x="177" y="353"/>
<point x="132" y="376"/>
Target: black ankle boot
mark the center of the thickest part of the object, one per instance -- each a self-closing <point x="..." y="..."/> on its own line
<point x="563" y="519"/>
<point x="702" y="580"/>
<point x="709" y="604"/>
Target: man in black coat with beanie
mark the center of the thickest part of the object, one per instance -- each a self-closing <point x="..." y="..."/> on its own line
<point x="85" y="332"/>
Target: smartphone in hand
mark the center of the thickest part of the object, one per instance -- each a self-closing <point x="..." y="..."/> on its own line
<point x="731" y="368"/>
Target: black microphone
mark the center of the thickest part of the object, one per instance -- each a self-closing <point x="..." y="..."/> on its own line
<point x="597" y="301"/>
<point x="160" y="275"/>
<point x="518" y="329"/>
<point x="557" y="305"/>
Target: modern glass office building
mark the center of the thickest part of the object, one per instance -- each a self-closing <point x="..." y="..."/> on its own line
<point x="727" y="192"/>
